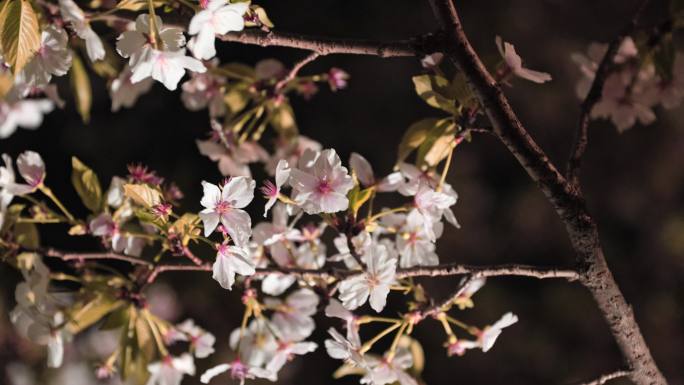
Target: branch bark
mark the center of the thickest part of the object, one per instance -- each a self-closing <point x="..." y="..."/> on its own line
<point x="326" y="45"/>
<point x="566" y="200"/>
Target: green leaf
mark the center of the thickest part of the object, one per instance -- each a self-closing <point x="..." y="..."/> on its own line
<point x="90" y="312"/>
<point x="19" y="33"/>
<point x="87" y="185"/>
<point x="414" y="136"/>
<point x="460" y="91"/>
<point x="358" y="197"/>
<point x="261" y="15"/>
<point x="80" y="84"/>
<point x="142" y="194"/>
<point x="137" y="5"/>
<point x="436" y="92"/>
<point x="116" y="319"/>
<point x="283" y="121"/>
<point x="433" y="148"/>
<point x="26" y="235"/>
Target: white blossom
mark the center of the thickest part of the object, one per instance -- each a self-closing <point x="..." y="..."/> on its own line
<point x="321" y="183"/>
<point x="337" y="310"/>
<point x="341" y="348"/>
<point x="26" y="113"/>
<point x="238" y="371"/>
<point x="272" y="191"/>
<point x="204" y="90"/>
<point x="286" y="351"/>
<point x="218" y="17"/>
<point x="413" y="241"/>
<point x="53" y="58"/>
<point x="231" y="260"/>
<point x="293" y="317"/>
<point x="514" y="63"/>
<point x="124" y="92"/>
<point x="224" y="205"/>
<point x="74" y="15"/>
<point x="388" y="371"/>
<point x="375" y="282"/>
<point x="170" y="370"/>
<point x="257" y="345"/>
<point x="30" y="166"/>
<point x="166" y="64"/>
<point x="201" y="341"/>
<point x="364" y="173"/>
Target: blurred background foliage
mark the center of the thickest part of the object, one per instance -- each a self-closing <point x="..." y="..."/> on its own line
<point x="634" y="183"/>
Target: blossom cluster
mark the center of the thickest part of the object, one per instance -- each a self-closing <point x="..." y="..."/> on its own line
<point x="281" y="265"/>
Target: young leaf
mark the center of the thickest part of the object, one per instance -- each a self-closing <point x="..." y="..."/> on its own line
<point x="91" y="312"/>
<point x="431" y="150"/>
<point x="414" y="137"/>
<point x="80" y="84"/>
<point x="435" y="91"/>
<point x="283" y="121"/>
<point x="19" y="33"/>
<point x="261" y="16"/>
<point x="87" y="185"/>
<point x="142" y="194"/>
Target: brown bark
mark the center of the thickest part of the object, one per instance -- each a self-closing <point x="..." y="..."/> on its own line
<point x="566" y="200"/>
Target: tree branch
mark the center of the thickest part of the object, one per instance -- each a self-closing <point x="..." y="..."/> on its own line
<point x="76" y="256"/>
<point x="295" y="70"/>
<point x="488" y="271"/>
<point x="607" y="377"/>
<point x="566" y="200"/>
<point x="326" y="45"/>
<point x="594" y="95"/>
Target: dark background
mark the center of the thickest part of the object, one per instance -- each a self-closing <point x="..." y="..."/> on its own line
<point x="633" y="183"/>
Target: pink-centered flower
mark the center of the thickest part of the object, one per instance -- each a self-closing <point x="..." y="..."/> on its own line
<point x="374" y="283"/>
<point x="30" y="166"/>
<point x="272" y="191"/>
<point x="364" y="173"/>
<point x="321" y="183"/>
<point x="216" y="17"/>
<point x="225" y="205"/>
<point x="238" y="371"/>
<point x="337" y="79"/>
<point x="231" y="260"/>
<point x="171" y="370"/>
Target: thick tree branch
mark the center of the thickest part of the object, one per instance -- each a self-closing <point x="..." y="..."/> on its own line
<point x="607" y="377"/>
<point x="594" y="95"/>
<point x="326" y="45"/>
<point x="567" y="201"/>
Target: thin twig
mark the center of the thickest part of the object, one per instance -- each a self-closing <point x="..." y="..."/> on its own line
<point x="607" y="377"/>
<point x="77" y="256"/>
<point x="594" y="95"/>
<point x="488" y="271"/>
<point x="295" y="70"/>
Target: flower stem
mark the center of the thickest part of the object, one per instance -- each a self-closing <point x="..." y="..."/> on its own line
<point x="48" y="193"/>
<point x="395" y="342"/>
<point x="366" y="347"/>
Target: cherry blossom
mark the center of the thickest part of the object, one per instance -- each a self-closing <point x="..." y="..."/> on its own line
<point x="364" y="173"/>
<point x="104" y="226"/>
<point x="620" y="105"/>
<point x="341" y="348"/>
<point x="589" y="64"/>
<point x="53" y="58"/>
<point x="75" y="16"/>
<point x="286" y="351"/>
<point x="293" y="316"/>
<point x="375" y="282"/>
<point x="238" y="371"/>
<point x="277" y="236"/>
<point x="337" y="310"/>
<point x="487" y="337"/>
<point x="514" y="63"/>
<point x="413" y="241"/>
<point x="337" y="79"/>
<point x="231" y="260"/>
<point x="165" y="64"/>
<point x="201" y="341"/>
<point x="27" y="113"/>
<point x="272" y="191"/>
<point x="224" y="205"/>
<point x="321" y="183"/>
<point x="233" y="157"/>
<point x="361" y="242"/>
<point x="170" y="370"/>
<point x="256" y="343"/>
<point x="204" y="90"/>
<point x="291" y="151"/>
<point x="390" y="370"/>
<point x="463" y="300"/>
<point x="124" y="92"/>
<point x="217" y="17"/>
<point x="432" y="205"/>
<point x="668" y="92"/>
<point x="30" y="166"/>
